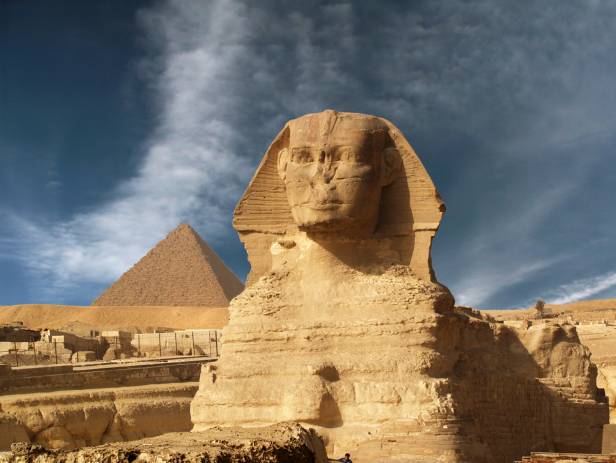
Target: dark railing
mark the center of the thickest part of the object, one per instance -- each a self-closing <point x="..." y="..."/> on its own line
<point x="163" y="344"/>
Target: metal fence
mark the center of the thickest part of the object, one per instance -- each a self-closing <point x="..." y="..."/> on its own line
<point x="148" y="345"/>
<point x="188" y="342"/>
<point x="33" y="353"/>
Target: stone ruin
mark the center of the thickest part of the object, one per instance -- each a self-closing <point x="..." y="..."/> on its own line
<point x="345" y="329"/>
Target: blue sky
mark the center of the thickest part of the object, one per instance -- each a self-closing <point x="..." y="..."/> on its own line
<point x="119" y="120"/>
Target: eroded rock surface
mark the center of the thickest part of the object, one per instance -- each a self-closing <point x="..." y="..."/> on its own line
<point x="71" y="419"/>
<point x="345" y="328"/>
<point x="276" y="444"/>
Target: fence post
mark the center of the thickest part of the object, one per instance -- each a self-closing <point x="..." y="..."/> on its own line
<point x="138" y="344"/>
<point x="209" y="339"/>
<point x="160" y="348"/>
<point x="16" y="356"/>
<point x="175" y="338"/>
<point x="216" y="341"/>
<point x="34" y="347"/>
<point x="55" y="349"/>
<point x="193" y="342"/>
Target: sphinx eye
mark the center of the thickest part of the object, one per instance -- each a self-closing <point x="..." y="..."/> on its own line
<point x="301" y="155"/>
<point x="350" y="154"/>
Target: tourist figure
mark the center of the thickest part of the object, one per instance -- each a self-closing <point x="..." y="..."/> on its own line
<point x="346" y="459"/>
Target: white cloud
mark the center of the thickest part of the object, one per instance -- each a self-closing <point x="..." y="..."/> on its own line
<point x="479" y="286"/>
<point x="190" y="170"/>
<point x="582" y="289"/>
<point x="501" y="255"/>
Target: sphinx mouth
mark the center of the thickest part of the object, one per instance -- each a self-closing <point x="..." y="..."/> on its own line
<point x="324" y="206"/>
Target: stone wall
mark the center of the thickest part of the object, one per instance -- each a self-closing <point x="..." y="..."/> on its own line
<point x="568" y="458"/>
<point x="70" y="419"/>
<point x="184" y="342"/>
<point x="67" y="377"/>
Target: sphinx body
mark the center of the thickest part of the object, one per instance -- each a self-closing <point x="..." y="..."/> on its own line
<point x="344" y="327"/>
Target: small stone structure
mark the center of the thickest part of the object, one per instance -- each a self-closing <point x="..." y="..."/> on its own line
<point x="19" y="380"/>
<point x="344" y="328"/>
<point x="181" y="342"/>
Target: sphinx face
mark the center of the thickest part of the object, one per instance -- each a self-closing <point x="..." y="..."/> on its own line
<point x="333" y="169"/>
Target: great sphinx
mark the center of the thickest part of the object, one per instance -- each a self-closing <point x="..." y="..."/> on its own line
<point x="344" y="328"/>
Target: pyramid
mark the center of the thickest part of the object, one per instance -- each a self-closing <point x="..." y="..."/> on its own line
<point x="181" y="270"/>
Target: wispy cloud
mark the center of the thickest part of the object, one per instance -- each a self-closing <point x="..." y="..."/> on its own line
<point x="481" y="286"/>
<point x="503" y="252"/>
<point x="582" y="289"/>
<point x="190" y="170"/>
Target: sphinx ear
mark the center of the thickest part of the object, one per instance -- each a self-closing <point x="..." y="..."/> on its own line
<point x="283" y="160"/>
<point x="390" y="166"/>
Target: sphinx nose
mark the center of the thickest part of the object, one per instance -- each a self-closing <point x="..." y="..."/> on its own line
<point x="323" y="176"/>
<point x="326" y="167"/>
<point x="328" y="173"/>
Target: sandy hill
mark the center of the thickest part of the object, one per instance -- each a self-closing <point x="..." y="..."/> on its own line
<point x="589" y="310"/>
<point x="181" y="270"/>
<point x="81" y="320"/>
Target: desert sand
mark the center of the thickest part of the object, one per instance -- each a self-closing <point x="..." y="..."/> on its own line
<point x="583" y="311"/>
<point x="142" y="319"/>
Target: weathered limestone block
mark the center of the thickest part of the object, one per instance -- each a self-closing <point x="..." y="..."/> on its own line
<point x="344" y="327"/>
<point x="70" y="419"/>
<point x="11" y="430"/>
<point x="53" y="352"/>
<point x="83" y="356"/>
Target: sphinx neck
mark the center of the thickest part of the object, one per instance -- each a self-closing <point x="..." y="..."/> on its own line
<point x="328" y="256"/>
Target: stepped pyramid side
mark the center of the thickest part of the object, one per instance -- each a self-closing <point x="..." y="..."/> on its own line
<point x="181" y="270"/>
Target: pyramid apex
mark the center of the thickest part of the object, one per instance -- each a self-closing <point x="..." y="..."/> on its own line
<point x="185" y="229"/>
<point x="184" y="226"/>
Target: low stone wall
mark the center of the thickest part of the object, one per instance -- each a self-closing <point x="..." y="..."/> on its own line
<point x="184" y="342"/>
<point x="71" y="419"/>
<point x="568" y="458"/>
<point x="68" y="377"/>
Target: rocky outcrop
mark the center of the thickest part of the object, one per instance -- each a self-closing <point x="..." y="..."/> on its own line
<point x="276" y="444"/>
<point x="344" y="327"/>
<point x="72" y="419"/>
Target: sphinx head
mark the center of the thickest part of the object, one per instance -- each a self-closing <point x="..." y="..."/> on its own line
<point x="334" y="168"/>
